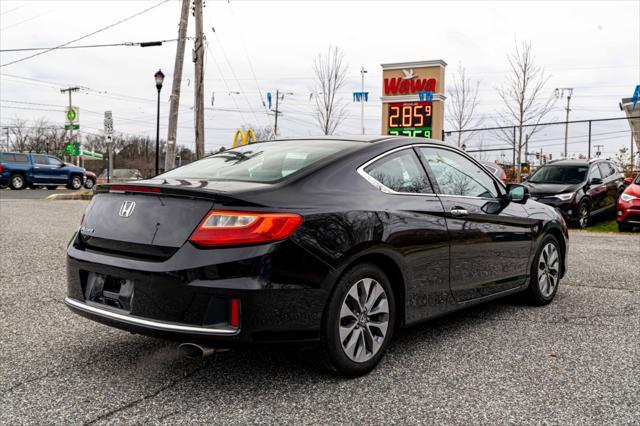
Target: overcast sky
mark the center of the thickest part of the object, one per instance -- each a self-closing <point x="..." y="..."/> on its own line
<point x="259" y="47"/>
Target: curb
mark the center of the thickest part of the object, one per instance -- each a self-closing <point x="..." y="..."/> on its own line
<point x="84" y="195"/>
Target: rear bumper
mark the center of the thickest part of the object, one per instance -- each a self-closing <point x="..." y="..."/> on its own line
<point x="186" y="298"/>
<point x="123" y="320"/>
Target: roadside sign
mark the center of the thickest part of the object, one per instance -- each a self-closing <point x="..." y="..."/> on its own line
<point x="108" y="126"/>
<point x="72" y="114"/>
<point x="72" y="148"/>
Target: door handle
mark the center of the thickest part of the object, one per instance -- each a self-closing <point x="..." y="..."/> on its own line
<point x="458" y="212"/>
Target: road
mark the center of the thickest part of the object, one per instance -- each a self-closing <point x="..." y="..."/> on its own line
<point x="576" y="361"/>
<point x="31" y="194"/>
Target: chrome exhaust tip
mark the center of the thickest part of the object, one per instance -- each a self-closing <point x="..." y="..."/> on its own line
<point x="194" y="350"/>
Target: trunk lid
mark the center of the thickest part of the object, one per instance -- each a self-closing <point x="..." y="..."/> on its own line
<point x="150" y="219"/>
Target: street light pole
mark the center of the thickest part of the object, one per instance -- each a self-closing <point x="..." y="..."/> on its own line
<point x="159" y="76"/>
<point x="362" y="72"/>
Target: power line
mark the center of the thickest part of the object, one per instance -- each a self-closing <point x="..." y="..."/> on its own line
<point x="84" y="36"/>
<point x="88" y="46"/>
<point x="14" y="9"/>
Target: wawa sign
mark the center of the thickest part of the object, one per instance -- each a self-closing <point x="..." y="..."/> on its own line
<point x="408" y="83"/>
<point x="413" y="99"/>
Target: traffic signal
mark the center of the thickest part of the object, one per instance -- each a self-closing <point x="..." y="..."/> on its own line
<point x="524" y="168"/>
<point x="537" y="155"/>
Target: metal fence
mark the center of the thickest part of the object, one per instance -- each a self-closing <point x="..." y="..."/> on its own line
<point x="537" y="143"/>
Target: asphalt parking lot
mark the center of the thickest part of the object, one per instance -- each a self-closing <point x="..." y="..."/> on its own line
<point x="576" y="361"/>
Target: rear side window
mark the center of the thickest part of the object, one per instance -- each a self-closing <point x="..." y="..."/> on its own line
<point x="261" y="162"/>
<point x="400" y="172"/>
<point x="14" y="158"/>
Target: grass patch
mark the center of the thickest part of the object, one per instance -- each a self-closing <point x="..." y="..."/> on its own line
<point x="603" y="226"/>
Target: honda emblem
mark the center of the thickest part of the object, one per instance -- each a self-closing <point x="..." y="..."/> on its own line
<point x="127" y="208"/>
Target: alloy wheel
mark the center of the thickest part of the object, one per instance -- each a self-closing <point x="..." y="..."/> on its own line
<point x="548" y="269"/>
<point x="76" y="183"/>
<point x="364" y="320"/>
<point x="17" y="182"/>
<point x="583" y="216"/>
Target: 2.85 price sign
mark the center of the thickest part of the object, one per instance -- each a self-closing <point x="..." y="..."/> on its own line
<point x="410" y="119"/>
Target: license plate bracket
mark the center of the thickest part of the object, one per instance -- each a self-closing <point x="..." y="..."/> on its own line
<point x="107" y="290"/>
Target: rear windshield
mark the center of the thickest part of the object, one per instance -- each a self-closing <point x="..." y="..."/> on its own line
<point x="560" y="174"/>
<point x="14" y="158"/>
<point x="260" y="162"/>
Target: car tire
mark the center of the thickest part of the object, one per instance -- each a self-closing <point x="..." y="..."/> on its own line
<point x="358" y="321"/>
<point x="583" y="215"/>
<point x="17" y="182"/>
<point x="89" y="183"/>
<point x="624" y="227"/>
<point x="52" y="187"/>
<point x="75" y="183"/>
<point x="545" y="272"/>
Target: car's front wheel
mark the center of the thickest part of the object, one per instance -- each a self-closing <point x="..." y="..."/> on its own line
<point x="75" y="183"/>
<point x="358" y="322"/>
<point x="545" y="272"/>
<point x="583" y="215"/>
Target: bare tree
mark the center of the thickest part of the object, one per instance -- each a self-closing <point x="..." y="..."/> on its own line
<point x="461" y="105"/>
<point x="523" y="96"/>
<point x="20" y="135"/>
<point x="330" y="76"/>
<point x="263" y="133"/>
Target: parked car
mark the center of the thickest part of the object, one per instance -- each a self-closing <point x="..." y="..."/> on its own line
<point x="579" y="189"/>
<point x="329" y="240"/>
<point x="90" y="179"/>
<point x="120" y="175"/>
<point x="629" y="207"/>
<point x="21" y="170"/>
<point x="496" y="169"/>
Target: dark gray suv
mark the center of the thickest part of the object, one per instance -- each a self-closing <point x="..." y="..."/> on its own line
<point x="579" y="189"/>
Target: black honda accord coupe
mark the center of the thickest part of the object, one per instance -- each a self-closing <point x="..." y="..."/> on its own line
<point x="339" y="241"/>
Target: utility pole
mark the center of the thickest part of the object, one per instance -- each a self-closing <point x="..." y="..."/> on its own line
<point x="198" y="58"/>
<point x="560" y="94"/>
<point x="174" y="105"/>
<point x="275" y="124"/>
<point x="362" y="72"/>
<point x="598" y="149"/>
<point x="69" y="91"/>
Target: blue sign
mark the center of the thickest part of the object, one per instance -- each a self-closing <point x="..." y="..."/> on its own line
<point x="636" y="95"/>
<point x="360" y="96"/>
<point x="425" y="96"/>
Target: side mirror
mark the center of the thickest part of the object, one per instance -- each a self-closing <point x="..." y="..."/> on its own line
<point x="595" y="181"/>
<point x="525" y="178"/>
<point x="517" y="193"/>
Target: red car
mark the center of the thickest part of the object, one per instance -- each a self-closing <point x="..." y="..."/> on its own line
<point x="629" y="207"/>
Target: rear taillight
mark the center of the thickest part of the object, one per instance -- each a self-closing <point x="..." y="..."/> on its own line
<point x="503" y="176"/>
<point x="230" y="228"/>
<point x="0" y="167"/>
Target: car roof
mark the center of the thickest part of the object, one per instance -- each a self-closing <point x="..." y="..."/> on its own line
<point x="363" y="138"/>
<point x="569" y="162"/>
